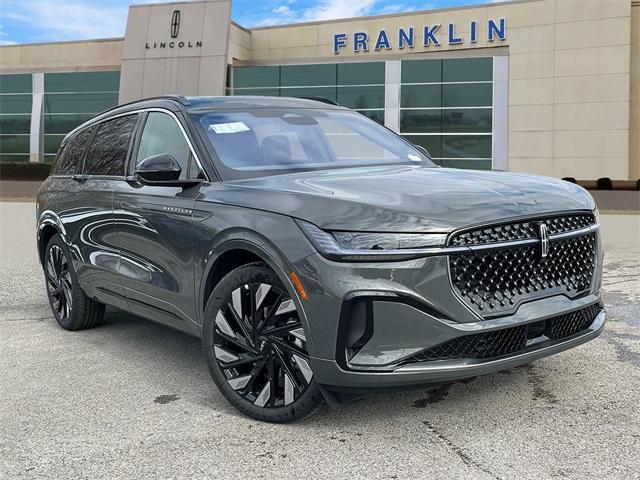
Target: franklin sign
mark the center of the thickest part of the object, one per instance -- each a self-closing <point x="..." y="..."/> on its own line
<point x="432" y="35"/>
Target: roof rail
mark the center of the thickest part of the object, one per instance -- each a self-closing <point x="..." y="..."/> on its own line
<point x="178" y="98"/>
<point x="322" y="99"/>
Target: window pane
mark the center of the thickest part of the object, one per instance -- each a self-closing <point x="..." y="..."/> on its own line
<point x="470" y="164"/>
<point x="79" y="103"/>
<point x="327" y="92"/>
<point x="467" y="69"/>
<point x="421" y="71"/>
<point x="421" y="121"/>
<point x="82" y="82"/>
<point x="18" y="157"/>
<point x="466" y="146"/>
<point x="300" y="75"/>
<point x="421" y="96"/>
<point x="361" y="73"/>
<point x="361" y="97"/>
<point x="63" y="123"/>
<point x="14" y="143"/>
<point x="15" y="103"/>
<point x="21" y="83"/>
<point x="49" y="157"/>
<point x="473" y="120"/>
<point x="70" y="159"/>
<point x="467" y="95"/>
<point x="431" y="142"/>
<point x="15" y="123"/>
<point x="52" y="143"/>
<point x="269" y="92"/>
<point x="162" y="135"/>
<point x="256" y="77"/>
<point x="109" y="148"/>
<point x="375" y="115"/>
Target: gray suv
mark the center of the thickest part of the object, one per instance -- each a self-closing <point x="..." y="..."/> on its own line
<point x="317" y="254"/>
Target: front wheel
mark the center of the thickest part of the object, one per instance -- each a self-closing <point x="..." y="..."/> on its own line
<point x="256" y="348"/>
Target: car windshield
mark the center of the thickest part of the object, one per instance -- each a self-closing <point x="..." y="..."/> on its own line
<point x="267" y="141"/>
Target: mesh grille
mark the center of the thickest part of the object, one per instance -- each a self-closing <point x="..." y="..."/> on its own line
<point x="508" y="341"/>
<point x="494" y="282"/>
<point x="522" y="230"/>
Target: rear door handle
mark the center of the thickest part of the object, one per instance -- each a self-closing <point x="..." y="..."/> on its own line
<point x="80" y="178"/>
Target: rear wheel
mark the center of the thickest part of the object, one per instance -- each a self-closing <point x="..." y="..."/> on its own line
<point x="256" y="348"/>
<point x="72" y="309"/>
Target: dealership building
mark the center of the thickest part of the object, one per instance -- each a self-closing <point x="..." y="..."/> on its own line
<point x="540" y="86"/>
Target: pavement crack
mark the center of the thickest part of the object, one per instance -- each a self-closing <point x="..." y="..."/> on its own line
<point x="38" y="319"/>
<point x="459" y="451"/>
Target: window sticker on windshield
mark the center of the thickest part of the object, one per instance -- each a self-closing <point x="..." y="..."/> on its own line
<point x="234" y="127"/>
<point x="414" y="158"/>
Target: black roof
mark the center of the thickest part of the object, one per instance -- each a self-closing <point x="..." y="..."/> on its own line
<point x="250" y="102"/>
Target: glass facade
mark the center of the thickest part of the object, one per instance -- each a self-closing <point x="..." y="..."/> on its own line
<point x="72" y="98"/>
<point x="359" y="86"/>
<point x="15" y="117"/>
<point x="446" y="105"/>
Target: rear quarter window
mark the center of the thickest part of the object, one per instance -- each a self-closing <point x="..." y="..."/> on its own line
<point x="70" y="155"/>
<point x="108" y="152"/>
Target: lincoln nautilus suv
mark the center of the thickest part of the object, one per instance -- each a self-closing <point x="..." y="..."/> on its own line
<point x="318" y="255"/>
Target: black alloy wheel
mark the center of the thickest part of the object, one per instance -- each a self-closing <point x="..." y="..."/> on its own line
<point x="59" y="283"/>
<point x="257" y="347"/>
<point x="72" y="309"/>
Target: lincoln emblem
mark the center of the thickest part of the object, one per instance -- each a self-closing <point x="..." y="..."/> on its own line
<point x="544" y="240"/>
<point x="175" y="23"/>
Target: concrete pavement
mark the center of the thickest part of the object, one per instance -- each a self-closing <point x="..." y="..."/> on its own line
<point x="132" y="399"/>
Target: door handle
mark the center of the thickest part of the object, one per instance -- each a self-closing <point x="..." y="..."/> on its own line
<point x="80" y="178"/>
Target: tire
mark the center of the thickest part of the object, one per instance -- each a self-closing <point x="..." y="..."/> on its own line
<point x="255" y="347"/>
<point x="72" y="309"/>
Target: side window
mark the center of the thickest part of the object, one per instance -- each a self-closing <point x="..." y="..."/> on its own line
<point x="69" y="160"/>
<point x="162" y="134"/>
<point x="108" y="151"/>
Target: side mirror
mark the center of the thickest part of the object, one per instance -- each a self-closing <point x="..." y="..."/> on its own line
<point x="162" y="170"/>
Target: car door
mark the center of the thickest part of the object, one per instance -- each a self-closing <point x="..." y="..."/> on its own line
<point x="154" y="228"/>
<point x="86" y="209"/>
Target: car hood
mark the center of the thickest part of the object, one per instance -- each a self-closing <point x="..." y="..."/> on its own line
<point x="404" y="198"/>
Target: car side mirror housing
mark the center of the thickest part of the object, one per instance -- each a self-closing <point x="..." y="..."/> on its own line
<point x="162" y="170"/>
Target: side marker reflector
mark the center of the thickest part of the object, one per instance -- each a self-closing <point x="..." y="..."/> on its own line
<point x="298" y="284"/>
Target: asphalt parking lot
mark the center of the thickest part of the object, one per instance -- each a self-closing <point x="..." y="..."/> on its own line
<point x="132" y="399"/>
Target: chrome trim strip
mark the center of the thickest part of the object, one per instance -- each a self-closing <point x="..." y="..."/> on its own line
<point x="439" y="366"/>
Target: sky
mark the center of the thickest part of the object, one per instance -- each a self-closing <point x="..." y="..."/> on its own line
<point x="32" y="21"/>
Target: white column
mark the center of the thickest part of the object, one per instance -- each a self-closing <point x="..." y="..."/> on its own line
<point x="392" y="70"/>
<point x="500" y="129"/>
<point x="36" y="138"/>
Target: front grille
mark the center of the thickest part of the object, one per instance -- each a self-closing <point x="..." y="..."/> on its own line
<point x="522" y="230"/>
<point x="494" y="282"/>
<point x="509" y="341"/>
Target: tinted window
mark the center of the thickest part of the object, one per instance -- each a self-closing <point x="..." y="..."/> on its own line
<point x="109" y="148"/>
<point x="162" y="135"/>
<point x="70" y="156"/>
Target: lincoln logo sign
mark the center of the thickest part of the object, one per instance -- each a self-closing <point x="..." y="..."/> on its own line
<point x="175" y="31"/>
<point x="432" y="36"/>
<point x="175" y="23"/>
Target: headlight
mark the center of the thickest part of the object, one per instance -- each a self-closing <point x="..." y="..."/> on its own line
<point x="596" y="213"/>
<point x="363" y="246"/>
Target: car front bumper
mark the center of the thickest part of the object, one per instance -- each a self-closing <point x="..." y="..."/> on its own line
<point x="414" y="309"/>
